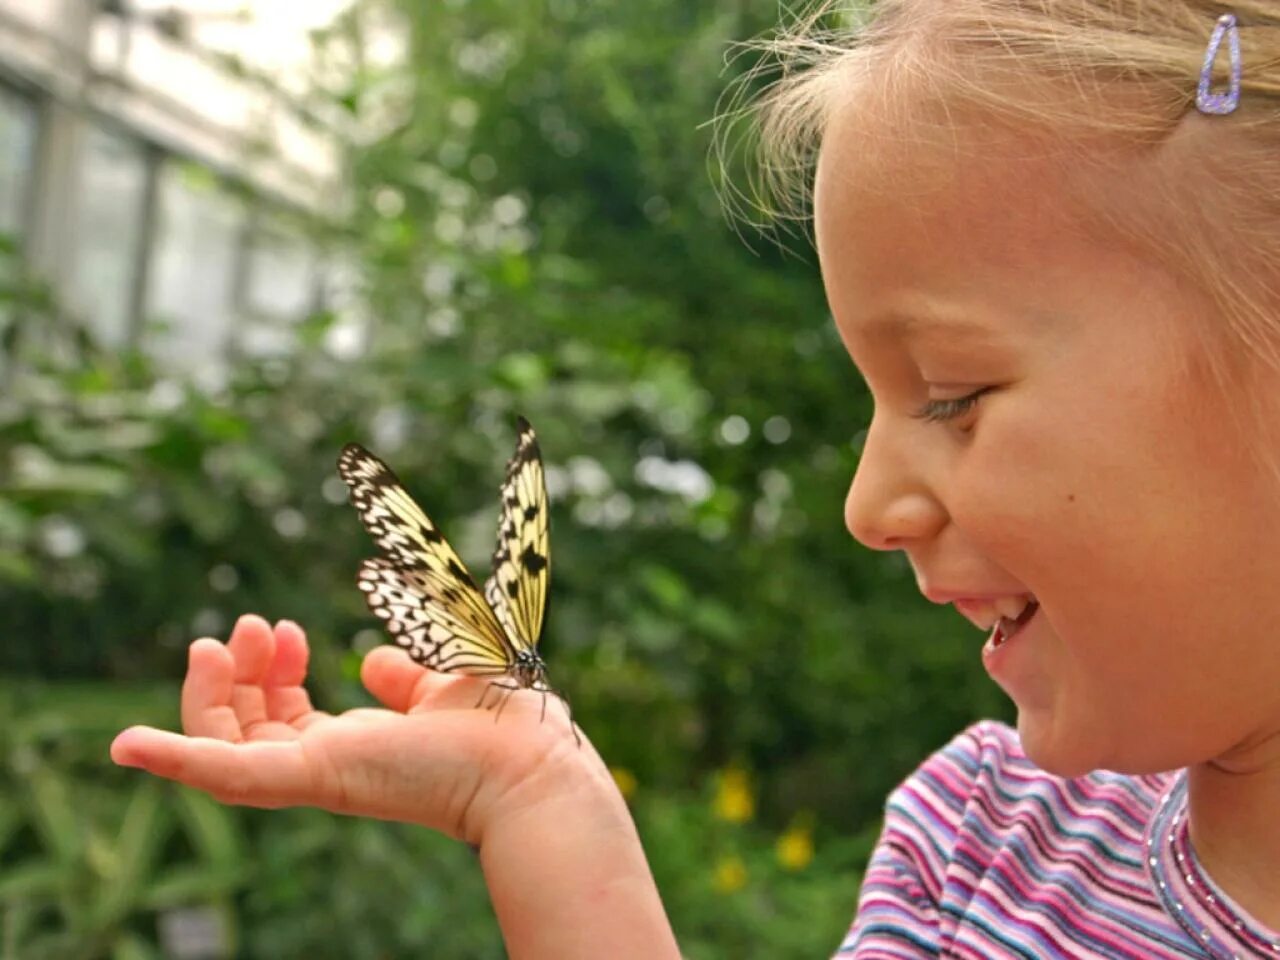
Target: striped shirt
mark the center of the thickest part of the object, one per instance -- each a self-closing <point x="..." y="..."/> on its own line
<point x="984" y="856"/>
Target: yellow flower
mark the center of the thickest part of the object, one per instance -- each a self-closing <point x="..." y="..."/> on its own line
<point x="734" y="801"/>
<point x="625" y="779"/>
<point x="795" y="845"/>
<point x="731" y="874"/>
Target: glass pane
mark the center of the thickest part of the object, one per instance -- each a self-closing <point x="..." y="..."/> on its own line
<point x="342" y="295"/>
<point x="280" y="289"/>
<point x="281" y="275"/>
<point x="108" y="225"/>
<point x="17" y="156"/>
<point x="191" y="283"/>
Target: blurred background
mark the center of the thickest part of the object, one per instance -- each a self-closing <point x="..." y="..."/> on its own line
<point x="237" y="235"/>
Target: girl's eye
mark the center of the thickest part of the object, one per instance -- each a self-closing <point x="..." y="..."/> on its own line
<point x="935" y="411"/>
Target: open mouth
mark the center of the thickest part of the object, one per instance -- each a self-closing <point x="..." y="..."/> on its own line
<point x="1006" y="629"/>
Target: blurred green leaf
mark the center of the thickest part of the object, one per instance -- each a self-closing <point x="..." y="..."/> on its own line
<point x="32" y="880"/>
<point x="55" y="815"/>
<point x="73" y="480"/>
<point x="211" y="829"/>
<point x="142" y="830"/>
<point x="181" y="885"/>
<point x="130" y="947"/>
<point x="665" y="586"/>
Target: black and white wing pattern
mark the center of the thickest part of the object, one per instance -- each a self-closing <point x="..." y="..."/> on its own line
<point x="517" y="588"/>
<point x="427" y="618"/>
<point x="420" y="588"/>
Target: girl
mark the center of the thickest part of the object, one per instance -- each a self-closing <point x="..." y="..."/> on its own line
<point x="1049" y="231"/>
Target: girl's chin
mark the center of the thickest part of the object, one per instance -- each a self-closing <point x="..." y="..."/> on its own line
<point x="1058" y="749"/>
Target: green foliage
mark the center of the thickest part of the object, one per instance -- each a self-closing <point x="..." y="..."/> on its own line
<point x="88" y="851"/>
<point x="97" y="860"/>
<point x="535" y="232"/>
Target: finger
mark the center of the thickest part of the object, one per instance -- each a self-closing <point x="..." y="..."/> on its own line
<point x="206" y="692"/>
<point x="271" y="774"/>
<point x="288" y="667"/>
<point x="286" y="699"/>
<point x="399" y="683"/>
<point x="253" y="645"/>
<point x="389" y="674"/>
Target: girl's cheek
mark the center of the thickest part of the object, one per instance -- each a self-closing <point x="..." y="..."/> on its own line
<point x="1011" y="500"/>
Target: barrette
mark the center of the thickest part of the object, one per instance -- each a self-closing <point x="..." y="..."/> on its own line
<point x="1220" y="103"/>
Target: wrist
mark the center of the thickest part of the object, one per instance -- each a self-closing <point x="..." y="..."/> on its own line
<point x="566" y="870"/>
<point x="563" y="784"/>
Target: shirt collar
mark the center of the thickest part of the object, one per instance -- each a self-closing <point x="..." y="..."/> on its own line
<point x="1189" y="894"/>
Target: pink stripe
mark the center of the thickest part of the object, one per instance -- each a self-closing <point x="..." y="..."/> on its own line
<point x="992" y="813"/>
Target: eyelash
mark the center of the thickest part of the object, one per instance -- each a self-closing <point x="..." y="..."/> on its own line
<point x="937" y="411"/>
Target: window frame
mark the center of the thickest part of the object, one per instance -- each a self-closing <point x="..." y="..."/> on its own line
<point x="20" y="89"/>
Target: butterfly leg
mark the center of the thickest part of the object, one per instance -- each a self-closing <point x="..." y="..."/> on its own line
<point x="489" y="686"/>
<point x="505" y="697"/>
<point x="506" y="689"/>
<point x="568" y="713"/>
<point x="502" y="697"/>
<point x="544" y="690"/>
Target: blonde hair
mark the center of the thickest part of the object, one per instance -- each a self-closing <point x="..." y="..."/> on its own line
<point x="1124" y="73"/>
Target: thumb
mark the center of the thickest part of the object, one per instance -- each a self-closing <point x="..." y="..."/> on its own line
<point x="402" y="685"/>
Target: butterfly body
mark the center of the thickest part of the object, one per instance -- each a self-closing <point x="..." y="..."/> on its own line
<point x="529" y="670"/>
<point x="423" y="592"/>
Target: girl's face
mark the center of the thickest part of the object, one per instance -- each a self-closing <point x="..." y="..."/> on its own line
<point x="1095" y="473"/>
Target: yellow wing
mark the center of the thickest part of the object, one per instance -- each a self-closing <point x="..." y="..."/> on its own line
<point x="421" y="617"/>
<point x="420" y="588"/>
<point x="517" y="588"/>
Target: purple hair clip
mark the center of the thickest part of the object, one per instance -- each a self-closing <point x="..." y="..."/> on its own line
<point x="1220" y="103"/>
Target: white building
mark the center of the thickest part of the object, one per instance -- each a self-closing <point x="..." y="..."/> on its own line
<point x="166" y="162"/>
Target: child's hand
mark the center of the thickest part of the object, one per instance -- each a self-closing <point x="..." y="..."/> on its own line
<point x="433" y="758"/>
<point x="558" y="848"/>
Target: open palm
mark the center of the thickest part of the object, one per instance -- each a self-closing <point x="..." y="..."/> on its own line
<point x="253" y="737"/>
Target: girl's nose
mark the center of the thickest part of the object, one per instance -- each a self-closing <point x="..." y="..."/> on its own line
<point x="888" y="506"/>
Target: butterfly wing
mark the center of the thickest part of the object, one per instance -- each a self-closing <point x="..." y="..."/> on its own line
<point x="430" y="602"/>
<point x="397" y="524"/>
<point x="517" y="588"/>
<point x="426" y="617"/>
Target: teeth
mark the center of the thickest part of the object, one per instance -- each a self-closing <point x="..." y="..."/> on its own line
<point x="1011" y="607"/>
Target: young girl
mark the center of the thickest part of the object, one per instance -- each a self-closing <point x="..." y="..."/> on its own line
<point x="1051" y="244"/>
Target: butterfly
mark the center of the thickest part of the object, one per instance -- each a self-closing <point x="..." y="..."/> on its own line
<point x="429" y="601"/>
